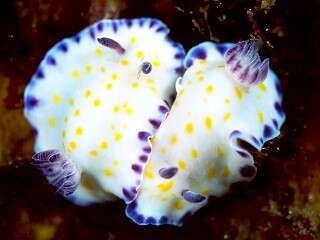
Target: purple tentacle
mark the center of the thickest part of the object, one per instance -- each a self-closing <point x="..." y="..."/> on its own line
<point x="192" y="196"/>
<point x="60" y="171"/>
<point x="110" y="43"/>
<point x="168" y="172"/>
<point x="244" y="64"/>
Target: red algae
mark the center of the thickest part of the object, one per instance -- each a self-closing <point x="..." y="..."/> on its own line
<point x="281" y="203"/>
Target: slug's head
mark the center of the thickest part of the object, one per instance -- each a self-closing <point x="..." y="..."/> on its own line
<point x="142" y="53"/>
<point x="241" y="60"/>
<point x="244" y="64"/>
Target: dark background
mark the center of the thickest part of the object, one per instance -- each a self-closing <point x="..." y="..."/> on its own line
<point x="283" y="202"/>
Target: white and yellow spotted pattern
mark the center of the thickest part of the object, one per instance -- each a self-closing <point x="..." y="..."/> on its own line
<point x="200" y="137"/>
<point x="90" y="102"/>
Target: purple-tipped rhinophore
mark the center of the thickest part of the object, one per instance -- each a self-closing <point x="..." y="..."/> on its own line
<point x="192" y="196"/>
<point x="146" y="67"/>
<point x="110" y="43"/>
<point x="60" y="171"/>
<point x="244" y="64"/>
<point x="168" y="172"/>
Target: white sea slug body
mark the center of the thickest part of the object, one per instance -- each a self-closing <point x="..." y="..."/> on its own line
<point x="95" y="101"/>
<point x="226" y="94"/>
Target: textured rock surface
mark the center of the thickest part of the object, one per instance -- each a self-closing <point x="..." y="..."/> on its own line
<point x="281" y="203"/>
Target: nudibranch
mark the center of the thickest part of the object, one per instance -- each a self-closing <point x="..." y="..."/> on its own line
<point x="227" y="96"/>
<point x="96" y="100"/>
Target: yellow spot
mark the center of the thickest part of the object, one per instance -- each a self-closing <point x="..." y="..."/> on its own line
<point x="181" y="92"/>
<point x="77" y="112"/>
<point x="163" y="150"/>
<point x="73" y="145"/>
<point x="117" y="136"/>
<point x="210" y="89"/>
<point x="227" y="101"/>
<point x="173" y="140"/>
<point x="99" y="52"/>
<point x="135" y="85"/>
<point x="205" y="192"/>
<point x="211" y="173"/>
<point x="52" y="121"/>
<point x="150" y="81"/>
<point x="178" y="205"/>
<point x="201" y="78"/>
<point x="163" y="197"/>
<point x="197" y="182"/>
<point x="176" y="104"/>
<point x="87" y="93"/>
<point x="189" y="82"/>
<point x="56" y="99"/>
<point x="153" y="90"/>
<point x="64" y="133"/>
<point x="262" y="87"/>
<point x="79" y="131"/>
<point x="124" y="62"/>
<point x="97" y="102"/>
<point x="88" y="68"/>
<point x="129" y="111"/>
<point x="202" y="62"/>
<point x="164" y="187"/>
<point x="156" y="63"/>
<point x="148" y="170"/>
<point x="238" y="93"/>
<point x="103" y="69"/>
<point x="71" y="101"/>
<point x="125" y="104"/>
<point x="108" y="172"/>
<point x="260" y="116"/>
<point x="65" y="119"/>
<point x="76" y="74"/>
<point x="133" y="40"/>
<point x="182" y="164"/>
<point x="208" y="122"/>
<point x="108" y="86"/>
<point x="227" y="116"/>
<point x="149" y="174"/>
<point x="104" y="145"/>
<point x="225" y="172"/>
<point x="139" y="54"/>
<point x="116" y="162"/>
<point x="220" y="152"/>
<point x="114" y="76"/>
<point x="116" y="108"/>
<point x="198" y="72"/>
<point x="93" y="153"/>
<point x="194" y="153"/>
<point x="189" y="128"/>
